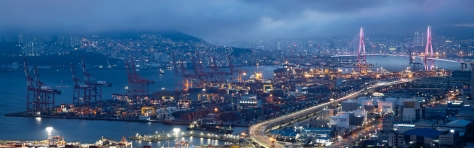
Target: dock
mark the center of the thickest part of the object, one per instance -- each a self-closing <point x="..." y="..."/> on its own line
<point x="198" y="134"/>
<point x="28" y="114"/>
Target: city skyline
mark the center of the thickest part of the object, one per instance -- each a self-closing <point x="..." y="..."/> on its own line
<point x="217" y="21"/>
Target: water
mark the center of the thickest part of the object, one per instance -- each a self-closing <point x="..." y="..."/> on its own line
<point x="397" y="63"/>
<point x="12" y="95"/>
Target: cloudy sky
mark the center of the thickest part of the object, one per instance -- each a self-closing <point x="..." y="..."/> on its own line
<point x="218" y="20"/>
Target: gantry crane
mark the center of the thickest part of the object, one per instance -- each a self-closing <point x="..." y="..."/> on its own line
<point x="39" y="96"/>
<point x="137" y="86"/>
<point x="94" y="86"/>
<point x="414" y="66"/>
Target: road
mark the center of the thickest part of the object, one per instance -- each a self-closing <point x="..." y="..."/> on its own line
<point x="363" y="133"/>
<point x="257" y="131"/>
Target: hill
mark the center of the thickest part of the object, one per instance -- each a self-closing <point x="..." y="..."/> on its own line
<point x="237" y="52"/>
<point x="179" y="36"/>
<point x="60" y="60"/>
<point x="173" y="35"/>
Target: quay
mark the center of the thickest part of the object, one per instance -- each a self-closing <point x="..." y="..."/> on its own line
<point x="29" y="114"/>
<point x="174" y="136"/>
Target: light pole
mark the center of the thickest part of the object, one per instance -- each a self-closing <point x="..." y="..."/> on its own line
<point x="49" y="129"/>
<point x="273" y="142"/>
<point x="168" y="142"/>
<point x="126" y="90"/>
<point x="176" y="131"/>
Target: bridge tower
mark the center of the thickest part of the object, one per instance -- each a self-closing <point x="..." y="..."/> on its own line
<point x="428" y="55"/>
<point x="361" y="60"/>
<point x="472" y="79"/>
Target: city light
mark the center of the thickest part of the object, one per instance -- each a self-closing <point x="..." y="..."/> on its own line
<point x="49" y="130"/>
<point x="308" y="76"/>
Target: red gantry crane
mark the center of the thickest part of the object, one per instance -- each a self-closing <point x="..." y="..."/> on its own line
<point x="93" y="86"/>
<point x="39" y="96"/>
<point x="81" y="90"/>
<point x="137" y="86"/>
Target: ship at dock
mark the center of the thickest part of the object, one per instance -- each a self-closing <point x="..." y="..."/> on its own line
<point x="210" y="124"/>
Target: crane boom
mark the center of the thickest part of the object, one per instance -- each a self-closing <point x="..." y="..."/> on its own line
<point x="29" y="80"/>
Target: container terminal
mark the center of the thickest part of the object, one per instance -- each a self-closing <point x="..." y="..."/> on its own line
<point x="223" y="98"/>
<point x="235" y="97"/>
<point x="227" y="97"/>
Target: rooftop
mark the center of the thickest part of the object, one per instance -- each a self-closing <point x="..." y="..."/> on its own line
<point x="436" y="117"/>
<point x="317" y="129"/>
<point x="459" y="122"/>
<point x="423" y="132"/>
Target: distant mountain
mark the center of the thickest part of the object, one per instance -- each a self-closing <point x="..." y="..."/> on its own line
<point x="173" y="35"/>
<point x="237" y="52"/>
<point x="60" y="60"/>
<point x="179" y="36"/>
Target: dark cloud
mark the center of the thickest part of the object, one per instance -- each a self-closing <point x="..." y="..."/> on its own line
<point x="217" y="20"/>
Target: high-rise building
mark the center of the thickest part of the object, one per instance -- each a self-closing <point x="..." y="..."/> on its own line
<point x="20" y="39"/>
<point x="422" y="39"/>
<point x="412" y="110"/>
<point x="74" y="41"/>
<point x="417" y="39"/>
<point x="278" y="46"/>
<point x="472" y="81"/>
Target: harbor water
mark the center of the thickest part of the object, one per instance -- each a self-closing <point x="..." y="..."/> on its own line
<point x="13" y="88"/>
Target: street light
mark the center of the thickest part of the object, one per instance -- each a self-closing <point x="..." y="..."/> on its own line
<point x="126" y="89"/>
<point x="176" y="131"/>
<point x="49" y="129"/>
<point x="273" y="141"/>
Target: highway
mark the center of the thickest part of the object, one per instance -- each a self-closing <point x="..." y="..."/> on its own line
<point x="367" y="131"/>
<point x="257" y="131"/>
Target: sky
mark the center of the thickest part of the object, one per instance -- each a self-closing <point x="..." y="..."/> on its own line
<point x="237" y="20"/>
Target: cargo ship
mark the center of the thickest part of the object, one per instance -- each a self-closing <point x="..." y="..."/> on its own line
<point x="210" y="125"/>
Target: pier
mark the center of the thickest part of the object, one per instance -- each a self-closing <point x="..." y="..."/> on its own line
<point x="174" y="136"/>
<point x="31" y="115"/>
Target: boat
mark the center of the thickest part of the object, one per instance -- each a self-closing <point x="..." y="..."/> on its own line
<point x="162" y="71"/>
<point x="144" y="118"/>
<point x="210" y="126"/>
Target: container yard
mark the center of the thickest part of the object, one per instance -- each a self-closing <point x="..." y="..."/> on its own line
<point x="225" y="97"/>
